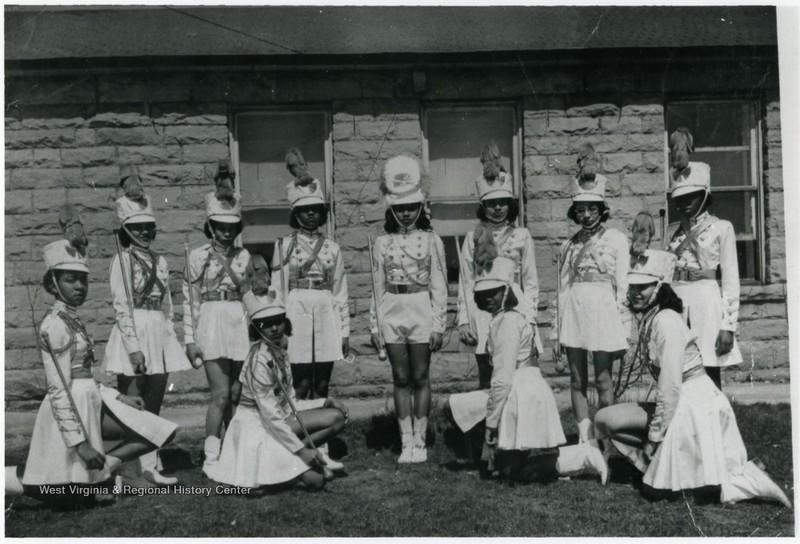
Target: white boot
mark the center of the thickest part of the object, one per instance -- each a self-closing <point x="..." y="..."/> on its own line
<point x="407" y="440"/>
<point x="211" y="449"/>
<point x="420" y="453"/>
<point x="13" y="484"/>
<point x="585" y="430"/>
<point x="150" y="470"/>
<point x="584" y="458"/>
<point x="330" y="463"/>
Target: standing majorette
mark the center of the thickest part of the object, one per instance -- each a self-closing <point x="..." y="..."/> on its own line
<point x="79" y="414"/>
<point x="308" y="275"/>
<point x="411" y="294"/>
<point x="591" y="306"/>
<point x="688" y="438"/>
<point x="143" y="348"/>
<point x="274" y="437"/>
<point x="495" y="236"/>
<point x="519" y="408"/>
<point x="705" y="246"/>
<point x="214" y="324"/>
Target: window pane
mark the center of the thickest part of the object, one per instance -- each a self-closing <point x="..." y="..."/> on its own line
<point x="736" y="207"/>
<point x="455" y="139"/>
<point x="713" y="124"/>
<point x="264" y="138"/>
<point x="728" y="168"/>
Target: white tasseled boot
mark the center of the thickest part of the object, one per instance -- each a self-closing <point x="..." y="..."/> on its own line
<point x="330" y="463"/>
<point x="583" y="458"/>
<point x="13" y="483"/>
<point x="211" y="449"/>
<point x="585" y="430"/>
<point x="150" y="469"/>
<point x="420" y="452"/>
<point x="407" y="440"/>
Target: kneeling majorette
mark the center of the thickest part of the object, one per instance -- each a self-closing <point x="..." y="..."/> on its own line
<point x="519" y="408"/>
<point x="273" y="437"/>
<point x="688" y="438"/>
<point x="409" y="301"/>
<point x="142" y="348"/>
<point x="79" y="413"/>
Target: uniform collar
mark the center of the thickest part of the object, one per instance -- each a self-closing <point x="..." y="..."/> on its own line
<point x="61" y="306"/>
<point x="219" y="248"/>
<point x="308" y="233"/>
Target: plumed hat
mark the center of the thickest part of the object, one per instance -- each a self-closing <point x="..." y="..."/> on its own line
<point x="685" y="176"/>
<point x="588" y="185"/>
<point x="401" y="181"/>
<point x="654" y="265"/>
<point x="261" y="306"/>
<point x="499" y="274"/>
<point x="134" y="205"/>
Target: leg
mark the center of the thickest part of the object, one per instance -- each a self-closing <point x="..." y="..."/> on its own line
<point x="322" y="424"/>
<point x="484" y="371"/>
<point x="218" y="372"/>
<point x="153" y="394"/>
<point x="235" y="391"/>
<point x="301" y="380"/>
<point x="579" y="376"/>
<point x="715" y="373"/>
<point x="323" y="373"/>
<point x="419" y="356"/>
<point x="626" y="423"/>
<point x="603" y="369"/>
<point x="401" y="377"/>
<point x="131" y="446"/>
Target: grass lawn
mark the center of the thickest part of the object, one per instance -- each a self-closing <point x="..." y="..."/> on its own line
<point x="380" y="498"/>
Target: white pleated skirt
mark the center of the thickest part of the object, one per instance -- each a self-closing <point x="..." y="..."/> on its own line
<point x="222" y="330"/>
<point x="50" y="461"/>
<point x="406" y="318"/>
<point x="703" y="447"/>
<point x="157" y="340"/>
<point x="702" y="309"/>
<point x="327" y="336"/>
<point x="529" y="419"/>
<point x="590" y="318"/>
<point x="251" y="456"/>
<point x="481" y="322"/>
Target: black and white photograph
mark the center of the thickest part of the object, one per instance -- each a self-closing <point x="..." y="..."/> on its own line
<point x="382" y="270"/>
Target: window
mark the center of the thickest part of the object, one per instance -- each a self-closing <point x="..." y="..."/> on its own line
<point x="453" y="136"/>
<point x="727" y="137"/>
<point x="260" y="141"/>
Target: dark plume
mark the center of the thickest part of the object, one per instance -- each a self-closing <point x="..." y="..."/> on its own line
<point x="296" y="165"/>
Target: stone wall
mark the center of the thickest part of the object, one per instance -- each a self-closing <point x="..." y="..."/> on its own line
<point x="67" y="135"/>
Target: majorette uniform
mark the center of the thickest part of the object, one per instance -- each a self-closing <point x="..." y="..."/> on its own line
<point x="710" y="245"/>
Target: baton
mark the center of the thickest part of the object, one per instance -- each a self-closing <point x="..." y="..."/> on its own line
<point x="49" y="348"/>
<point x="188" y="278"/>
<point x="662" y="213"/>
<point x="279" y="244"/>
<point x="327" y="473"/>
<point x="127" y="292"/>
<point x="463" y="285"/>
<point x="381" y="344"/>
<point x="313" y="358"/>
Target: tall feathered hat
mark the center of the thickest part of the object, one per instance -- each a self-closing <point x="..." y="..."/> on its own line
<point x="401" y="181"/>
<point x="69" y="253"/>
<point x="588" y="185"/>
<point x="642" y="232"/>
<point x="257" y="274"/>
<point x="495" y="181"/>
<point x="222" y="205"/>
<point x="685" y="176"/>
<point x="499" y="274"/>
<point x="305" y="190"/>
<point x="134" y="205"/>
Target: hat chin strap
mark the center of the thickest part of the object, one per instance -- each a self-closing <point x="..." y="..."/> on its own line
<point x="214" y="236"/>
<point x="703" y="204"/>
<point x="413" y="225"/>
<point x="592" y="226"/>
<point x="502" y="221"/>
<point x="134" y="240"/>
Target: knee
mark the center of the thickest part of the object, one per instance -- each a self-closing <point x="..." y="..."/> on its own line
<point x="603" y="382"/>
<point x="402" y="381"/>
<point x="421" y="382"/>
<point x="338" y="422"/>
<point x="220" y="398"/>
<point x="602" y="422"/>
<point x="313" y="480"/>
<point x="577" y="384"/>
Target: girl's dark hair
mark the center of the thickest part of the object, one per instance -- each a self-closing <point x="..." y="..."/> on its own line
<point x="295" y="224"/>
<point x="667" y="299"/>
<point x="391" y="226"/>
<point x="513" y="210"/>
<point x="207" y="227"/>
<point x="511" y="298"/>
<point x="254" y="335"/>
<point x="125" y="239"/>
<point x="604" y="211"/>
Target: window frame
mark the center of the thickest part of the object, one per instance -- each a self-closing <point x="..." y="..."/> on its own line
<point x="756" y="186"/>
<point x="517" y="143"/>
<point x="314" y="108"/>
